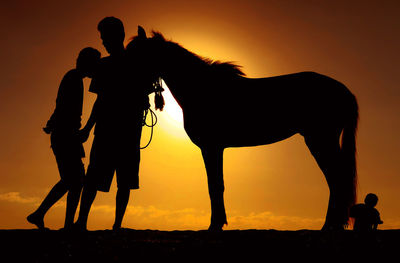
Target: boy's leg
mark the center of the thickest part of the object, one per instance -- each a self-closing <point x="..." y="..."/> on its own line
<point x="75" y="174"/>
<point x="52" y="197"/>
<point x="74" y="194"/>
<point x="88" y="195"/>
<point x="121" y="202"/>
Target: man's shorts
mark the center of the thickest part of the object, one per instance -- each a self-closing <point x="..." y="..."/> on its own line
<point x="109" y="155"/>
<point x="69" y="152"/>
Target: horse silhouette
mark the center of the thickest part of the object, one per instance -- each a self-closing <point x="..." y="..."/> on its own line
<point x="220" y="106"/>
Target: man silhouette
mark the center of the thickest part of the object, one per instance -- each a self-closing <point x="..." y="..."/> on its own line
<point x="63" y="126"/>
<point x="118" y="115"/>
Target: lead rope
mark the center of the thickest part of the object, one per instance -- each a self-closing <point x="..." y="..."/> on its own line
<point x="159" y="104"/>
<point x="151" y="125"/>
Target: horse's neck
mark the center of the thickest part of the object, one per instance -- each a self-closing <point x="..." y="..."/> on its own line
<point x="194" y="84"/>
<point x="181" y="88"/>
<point x="182" y="75"/>
<point x="192" y="89"/>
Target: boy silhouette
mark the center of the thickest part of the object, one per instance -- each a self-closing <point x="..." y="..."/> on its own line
<point x="118" y="116"/>
<point x="63" y="127"/>
<point x="366" y="215"/>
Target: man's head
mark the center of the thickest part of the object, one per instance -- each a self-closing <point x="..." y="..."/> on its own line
<point x="112" y="33"/>
<point x="87" y="61"/>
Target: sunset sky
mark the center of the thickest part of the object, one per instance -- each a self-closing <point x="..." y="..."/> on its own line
<point x="276" y="186"/>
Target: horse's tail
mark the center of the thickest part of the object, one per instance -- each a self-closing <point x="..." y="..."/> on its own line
<point x="348" y="149"/>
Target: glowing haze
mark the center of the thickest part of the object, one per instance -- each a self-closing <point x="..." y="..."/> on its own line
<point x="277" y="186"/>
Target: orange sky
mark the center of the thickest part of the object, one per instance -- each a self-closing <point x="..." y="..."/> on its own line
<point x="276" y="186"/>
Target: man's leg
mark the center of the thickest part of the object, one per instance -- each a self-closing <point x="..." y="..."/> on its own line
<point x="121" y="202"/>
<point x="127" y="178"/>
<point x="52" y="197"/>
<point x="90" y="186"/>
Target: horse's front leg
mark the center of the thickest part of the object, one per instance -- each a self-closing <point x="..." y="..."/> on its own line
<point x="213" y="160"/>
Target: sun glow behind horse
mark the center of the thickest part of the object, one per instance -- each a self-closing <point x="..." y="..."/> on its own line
<point x="171" y="118"/>
<point x="171" y="108"/>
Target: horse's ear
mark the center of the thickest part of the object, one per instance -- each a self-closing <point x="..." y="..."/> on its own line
<point x="141" y="32"/>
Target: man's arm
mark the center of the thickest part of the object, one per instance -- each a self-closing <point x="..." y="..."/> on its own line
<point x="84" y="133"/>
<point x="49" y="125"/>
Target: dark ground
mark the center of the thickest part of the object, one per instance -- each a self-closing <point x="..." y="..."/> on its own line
<point x="130" y="245"/>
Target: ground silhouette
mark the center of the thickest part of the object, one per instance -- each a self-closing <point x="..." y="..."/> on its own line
<point x="128" y="245"/>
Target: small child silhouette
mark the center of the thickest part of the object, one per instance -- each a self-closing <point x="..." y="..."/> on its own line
<point x="366" y="215"/>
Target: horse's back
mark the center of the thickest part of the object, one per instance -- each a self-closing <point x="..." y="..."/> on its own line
<point x="253" y="111"/>
<point x="304" y="93"/>
<point x="302" y="86"/>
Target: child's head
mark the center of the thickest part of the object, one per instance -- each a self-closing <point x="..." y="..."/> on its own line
<point x="371" y="200"/>
<point x="87" y="61"/>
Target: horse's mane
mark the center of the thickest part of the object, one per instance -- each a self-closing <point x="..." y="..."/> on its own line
<point x="222" y="68"/>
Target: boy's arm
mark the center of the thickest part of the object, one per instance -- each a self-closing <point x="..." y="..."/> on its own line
<point x="84" y="133"/>
<point x="377" y="220"/>
<point x="62" y="89"/>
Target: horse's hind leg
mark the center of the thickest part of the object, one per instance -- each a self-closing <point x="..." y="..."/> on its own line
<point x="327" y="153"/>
<point x="213" y="160"/>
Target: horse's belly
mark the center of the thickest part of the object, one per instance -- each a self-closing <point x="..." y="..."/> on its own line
<point x="242" y="129"/>
<point x="254" y="136"/>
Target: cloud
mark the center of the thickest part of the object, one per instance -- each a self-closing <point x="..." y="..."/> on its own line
<point x="269" y="220"/>
<point x="390" y="224"/>
<point x="16" y="197"/>
<point x="140" y="217"/>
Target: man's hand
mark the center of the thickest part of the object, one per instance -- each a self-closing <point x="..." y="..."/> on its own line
<point x="147" y="103"/>
<point x="47" y="129"/>
<point x="49" y="125"/>
<point x="83" y="135"/>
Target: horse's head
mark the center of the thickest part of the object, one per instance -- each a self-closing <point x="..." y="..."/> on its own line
<point x="148" y="52"/>
<point x="145" y="54"/>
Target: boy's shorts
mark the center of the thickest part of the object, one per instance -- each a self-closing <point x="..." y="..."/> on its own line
<point x="69" y="152"/>
<point x="109" y="156"/>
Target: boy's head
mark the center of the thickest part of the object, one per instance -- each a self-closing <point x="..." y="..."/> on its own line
<point x="112" y="33"/>
<point x="87" y="61"/>
<point x="371" y="200"/>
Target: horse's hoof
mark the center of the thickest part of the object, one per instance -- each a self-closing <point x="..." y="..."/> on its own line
<point x="215" y="228"/>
